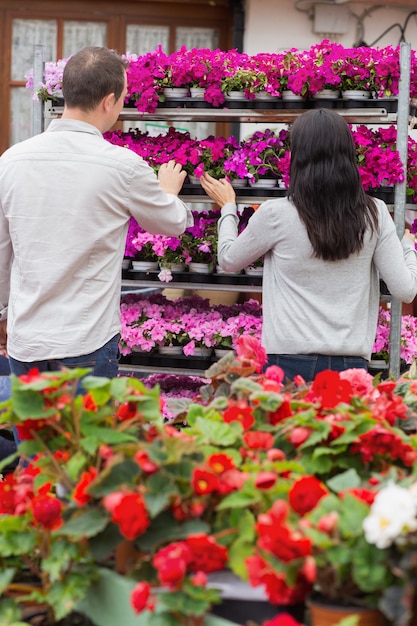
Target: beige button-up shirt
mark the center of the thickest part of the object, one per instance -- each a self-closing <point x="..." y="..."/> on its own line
<point x="66" y="197"/>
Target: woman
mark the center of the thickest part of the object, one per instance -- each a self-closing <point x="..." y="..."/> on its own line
<point x="325" y="247"/>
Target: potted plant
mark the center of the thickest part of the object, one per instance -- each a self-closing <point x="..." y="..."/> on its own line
<point x="243" y="84"/>
<point x="213" y="153"/>
<point x="86" y="514"/>
<point x="149" y="511"/>
<point x="378" y="159"/>
<point x="199" y="242"/>
<point x="74" y="543"/>
<point x="144" y="75"/>
<point x="258" y="157"/>
<point x="408" y="341"/>
<point x="357" y="70"/>
<point x="391" y="527"/>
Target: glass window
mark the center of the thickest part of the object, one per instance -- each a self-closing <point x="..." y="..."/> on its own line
<point x="143" y="39"/>
<point x="196" y="37"/>
<point x="77" y="35"/>
<point x="26" y="34"/>
<point x="21" y="114"/>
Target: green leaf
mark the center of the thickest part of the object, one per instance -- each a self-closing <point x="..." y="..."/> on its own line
<point x="346" y="480"/>
<point x="352" y="515"/>
<point x="14" y="544"/>
<point x="164" y="529"/>
<point x="10" y="613"/>
<point x="319" y="466"/>
<point x="246" y="385"/>
<point x="8" y="460"/>
<point x="107" y="601"/>
<point x="161" y="619"/>
<point x="75" y="465"/>
<point x="106" y="435"/>
<point x="319" y="435"/>
<point x="370" y="569"/>
<point x="29" y="448"/>
<point x="27" y="404"/>
<point x="212" y="620"/>
<point x="238" y="552"/>
<point x="181" y="470"/>
<point x="63" y="556"/>
<point x="91" y="382"/>
<point x="86" y="523"/>
<point x="90" y="444"/>
<point x="6" y="577"/>
<point x="352" y="620"/>
<point x="65" y="595"/>
<point x="179" y="602"/>
<point x="217" y="433"/>
<point x="246" y="525"/>
<point x="103" y="544"/>
<point x="160" y="489"/>
<point x="116" y="475"/>
<point x="178" y="406"/>
<point x="241" y="499"/>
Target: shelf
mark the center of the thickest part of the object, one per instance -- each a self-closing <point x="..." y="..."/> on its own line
<point x="157" y="369"/>
<point x="248" y="284"/>
<point x="244" y="195"/>
<point x="357" y="115"/>
<point x="154" y="363"/>
<point x="253" y="285"/>
<point x="376" y="115"/>
<point x="135" y="367"/>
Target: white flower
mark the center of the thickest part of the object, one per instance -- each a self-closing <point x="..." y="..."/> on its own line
<point x="393" y="513"/>
<point x="165" y="275"/>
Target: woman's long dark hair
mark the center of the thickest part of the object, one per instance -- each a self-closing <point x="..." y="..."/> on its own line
<point x="325" y="185"/>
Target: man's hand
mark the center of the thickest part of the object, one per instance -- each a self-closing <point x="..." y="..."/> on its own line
<point x="171" y="177"/>
<point x="3" y="338"/>
<point x="221" y="191"/>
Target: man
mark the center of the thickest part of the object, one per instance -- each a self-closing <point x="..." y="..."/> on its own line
<point x="66" y="197"/>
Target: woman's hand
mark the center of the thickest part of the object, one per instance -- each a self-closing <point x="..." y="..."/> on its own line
<point x="221" y="191"/>
<point x="409" y="235"/>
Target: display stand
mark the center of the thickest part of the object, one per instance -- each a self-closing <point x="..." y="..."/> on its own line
<point x="374" y="113"/>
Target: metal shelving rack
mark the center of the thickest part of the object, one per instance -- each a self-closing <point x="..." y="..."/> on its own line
<point x="373" y="115"/>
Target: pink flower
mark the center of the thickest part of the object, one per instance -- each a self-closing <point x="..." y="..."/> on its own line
<point x="360" y="380"/>
<point x="250" y="349"/>
<point x="165" y="275"/>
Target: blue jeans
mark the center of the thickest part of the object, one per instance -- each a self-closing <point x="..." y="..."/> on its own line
<point x="309" y="365"/>
<point x="102" y="362"/>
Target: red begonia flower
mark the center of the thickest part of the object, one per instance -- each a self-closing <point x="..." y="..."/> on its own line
<point x="330" y="389"/>
<point x="171" y="563"/>
<point x="129" y="513"/>
<point x="239" y="412"/>
<point x="206" y="555"/>
<point x="46" y="510"/>
<point x="140" y="597"/>
<point x="204" y="482"/>
<point x="258" y="440"/>
<point x="80" y="494"/>
<point x="305" y="493"/>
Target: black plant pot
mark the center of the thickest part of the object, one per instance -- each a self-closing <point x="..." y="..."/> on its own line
<point x="243" y="611"/>
<point x="40" y="618"/>
<point x="241" y="603"/>
<point x="386" y="194"/>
